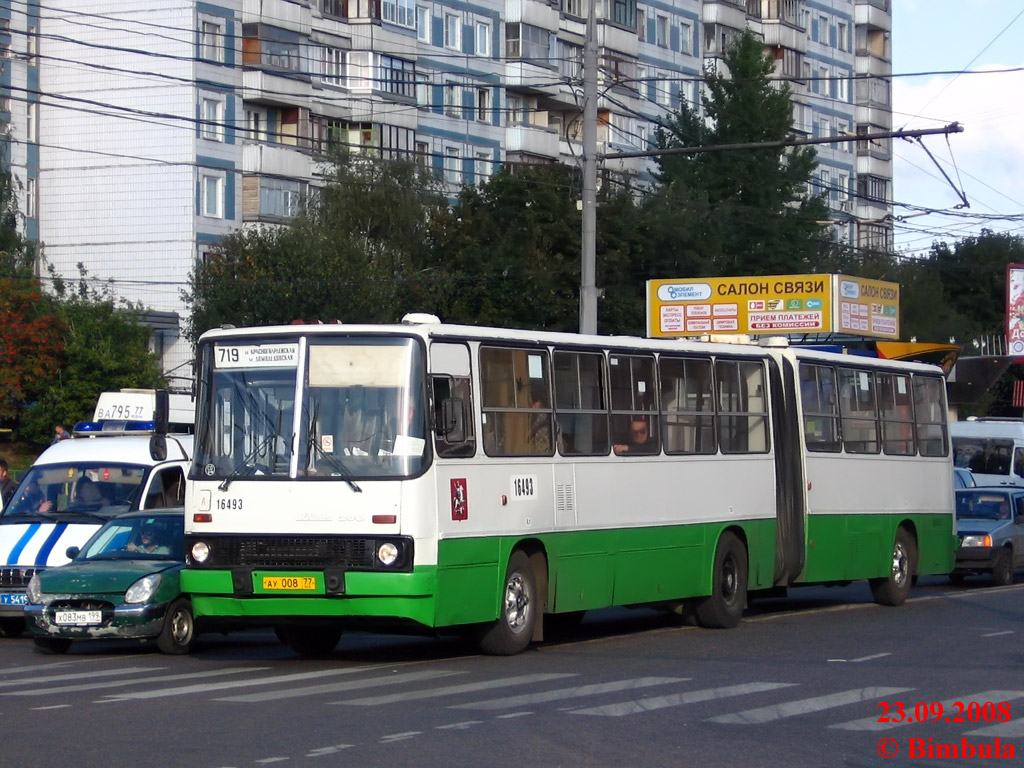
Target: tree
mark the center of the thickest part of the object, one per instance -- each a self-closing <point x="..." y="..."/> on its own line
<point x="348" y="255"/>
<point x="30" y="345"/>
<point x="738" y="211"/>
<point x="105" y="349"/>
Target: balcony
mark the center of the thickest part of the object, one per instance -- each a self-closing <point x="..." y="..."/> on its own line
<point x="541" y="142"/>
<point x="274" y="88"/>
<point x="873" y="15"/>
<point x="729" y="13"/>
<point x="276" y="160"/>
<point x="779" y="33"/>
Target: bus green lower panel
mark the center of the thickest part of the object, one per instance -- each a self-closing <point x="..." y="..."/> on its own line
<point x="408" y="596"/>
<point x="852" y="547"/>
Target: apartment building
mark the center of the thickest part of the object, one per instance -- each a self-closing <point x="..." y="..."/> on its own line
<point x="143" y="132"/>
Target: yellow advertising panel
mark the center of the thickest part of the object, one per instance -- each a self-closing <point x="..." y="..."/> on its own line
<point x="866" y="307"/>
<point x="776" y="305"/>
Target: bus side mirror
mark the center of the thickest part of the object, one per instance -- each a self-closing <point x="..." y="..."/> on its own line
<point x="161" y="412"/>
<point x="158" y="447"/>
<point x="453" y="420"/>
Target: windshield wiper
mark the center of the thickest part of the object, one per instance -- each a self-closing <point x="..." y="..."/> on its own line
<point x="243" y="467"/>
<point x="344" y="472"/>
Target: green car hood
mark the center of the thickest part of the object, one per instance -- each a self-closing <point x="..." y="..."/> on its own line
<point x="102" y="576"/>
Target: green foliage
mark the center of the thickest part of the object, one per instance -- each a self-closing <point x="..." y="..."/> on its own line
<point x="349" y="255"/>
<point x="738" y="211"/>
<point x="105" y="349"/>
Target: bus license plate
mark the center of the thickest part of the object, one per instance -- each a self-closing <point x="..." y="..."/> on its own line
<point x="78" y="618"/>
<point x="289" y="583"/>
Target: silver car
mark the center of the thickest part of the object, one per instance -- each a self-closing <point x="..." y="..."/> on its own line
<point x="990" y="526"/>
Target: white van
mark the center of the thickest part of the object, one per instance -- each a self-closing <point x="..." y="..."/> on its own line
<point x="74" y="487"/>
<point x="993" y="449"/>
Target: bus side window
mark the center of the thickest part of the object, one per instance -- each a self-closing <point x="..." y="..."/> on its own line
<point x="1018" y="462"/>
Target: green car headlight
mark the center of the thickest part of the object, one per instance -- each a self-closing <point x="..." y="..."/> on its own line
<point x="143" y="589"/>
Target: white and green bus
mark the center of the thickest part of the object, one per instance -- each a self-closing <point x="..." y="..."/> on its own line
<point x="437" y="477"/>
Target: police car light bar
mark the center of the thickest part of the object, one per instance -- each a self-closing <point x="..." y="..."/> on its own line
<point x="105" y="428"/>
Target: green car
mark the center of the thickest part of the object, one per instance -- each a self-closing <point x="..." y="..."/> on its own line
<point x="123" y="583"/>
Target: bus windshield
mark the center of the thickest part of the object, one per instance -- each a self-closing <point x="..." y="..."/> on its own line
<point x="84" y="490"/>
<point x="360" y="411"/>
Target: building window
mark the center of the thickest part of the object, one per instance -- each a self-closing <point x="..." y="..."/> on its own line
<point x="516" y="110"/>
<point x="452" y="169"/>
<point x="641" y="25"/>
<point x="525" y="41"/>
<point x="624" y="13"/>
<point x="663" y="90"/>
<point x="484" y="165"/>
<point x="279" y="198"/>
<point x="452" y="32"/>
<point x="661" y="31"/>
<point x="212" y="119"/>
<point x="397" y="76"/>
<point x="423" y="154"/>
<point x="483" y="39"/>
<point x="332" y="65"/>
<point x="573" y="8"/>
<point x="400" y="12"/>
<point x="423" y="24"/>
<point x="685" y="37"/>
<point x="452" y="105"/>
<point x="570" y="60"/>
<point x="211" y="188"/>
<point x="255" y="125"/>
<point x="271" y="47"/>
<point x="31" y="202"/>
<point x="842" y="34"/>
<point x="359" y="70"/>
<point x="32" y="121"/>
<point x="32" y="45"/>
<point x="211" y="41"/>
<point x="483" y="105"/>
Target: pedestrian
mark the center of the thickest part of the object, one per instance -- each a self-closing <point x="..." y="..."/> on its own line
<point x="59" y="434"/>
<point x="7" y="485"/>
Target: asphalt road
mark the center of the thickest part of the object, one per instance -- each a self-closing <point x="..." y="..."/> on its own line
<point x="806" y="681"/>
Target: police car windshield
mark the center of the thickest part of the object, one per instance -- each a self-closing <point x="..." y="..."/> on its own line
<point x="87" y="489"/>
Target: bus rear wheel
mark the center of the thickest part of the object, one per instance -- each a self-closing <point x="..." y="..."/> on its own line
<point x="513" y="630"/>
<point x="309" y="641"/>
<point x="895" y="588"/>
<point x="723" y="609"/>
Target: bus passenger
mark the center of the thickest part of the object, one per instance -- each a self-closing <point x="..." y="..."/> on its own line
<point x="640" y="440"/>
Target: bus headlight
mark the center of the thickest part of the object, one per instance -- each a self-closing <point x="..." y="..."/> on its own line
<point x="387" y="554"/>
<point x="200" y="552"/>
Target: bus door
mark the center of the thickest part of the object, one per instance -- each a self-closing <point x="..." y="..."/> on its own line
<point x="790" y="498"/>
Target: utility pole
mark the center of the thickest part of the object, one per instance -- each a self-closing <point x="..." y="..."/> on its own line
<point x="588" y="266"/>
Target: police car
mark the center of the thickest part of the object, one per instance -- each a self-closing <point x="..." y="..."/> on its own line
<point x="75" y="486"/>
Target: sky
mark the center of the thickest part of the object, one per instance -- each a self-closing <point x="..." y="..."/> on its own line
<point x="968" y="43"/>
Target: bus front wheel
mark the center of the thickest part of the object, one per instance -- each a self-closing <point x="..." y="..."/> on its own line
<point x="723" y="609"/>
<point x="309" y="641"/>
<point x="513" y="630"/>
<point x="894" y="588"/>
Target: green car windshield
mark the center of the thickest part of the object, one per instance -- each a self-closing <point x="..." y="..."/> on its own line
<point x="149" y="537"/>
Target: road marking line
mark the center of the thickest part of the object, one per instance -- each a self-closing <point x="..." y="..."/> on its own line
<point x="78" y="676"/>
<point x="999" y="634"/>
<point x="54" y="706"/>
<point x="458" y="726"/>
<point x="678" y="699"/>
<point x="349" y="685"/>
<point x="862" y="658"/>
<point x="570" y="693"/>
<point x="1009" y="729"/>
<point x="948" y="706"/>
<point x="805" y="706"/>
<point x="431" y="693"/>
<point x="333" y="749"/>
<point x="404" y="736"/>
<point x="134" y="681"/>
<point x="272" y="680"/>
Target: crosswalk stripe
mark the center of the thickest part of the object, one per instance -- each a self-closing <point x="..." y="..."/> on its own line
<point x="569" y="693"/>
<point x="678" y="699"/>
<point x="432" y="693"/>
<point x="208" y="687"/>
<point x="1008" y="729"/>
<point x="805" y="706"/>
<point x="134" y="681"/>
<point x="949" y="708"/>
<point x="349" y="685"/>
<point x="76" y="676"/>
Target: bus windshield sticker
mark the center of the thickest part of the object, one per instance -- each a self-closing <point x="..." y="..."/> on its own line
<point x="536" y="363"/>
<point x="256" y="356"/>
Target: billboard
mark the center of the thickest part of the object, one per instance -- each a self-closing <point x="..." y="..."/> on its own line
<point x="773" y="305"/>
<point x="1015" y="309"/>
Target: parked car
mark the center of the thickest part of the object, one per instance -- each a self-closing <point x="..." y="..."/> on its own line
<point x="123" y="583"/>
<point x="963" y="478"/>
<point x="990" y="526"/>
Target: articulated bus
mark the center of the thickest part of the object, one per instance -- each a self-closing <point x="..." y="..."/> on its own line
<point x="431" y="477"/>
